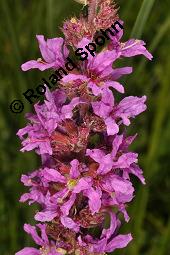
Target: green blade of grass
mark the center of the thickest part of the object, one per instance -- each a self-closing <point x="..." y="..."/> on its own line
<point x="162" y="247"/>
<point x="142" y="18"/>
<point x="162" y="109"/>
<point x="50" y="16"/>
<point x="156" y="41"/>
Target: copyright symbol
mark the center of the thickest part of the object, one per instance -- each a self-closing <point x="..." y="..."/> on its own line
<point x="16" y="106"/>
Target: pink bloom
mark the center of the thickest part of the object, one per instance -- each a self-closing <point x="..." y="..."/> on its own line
<point x="48" y="115"/>
<point x="113" y="160"/>
<point x="116" y="114"/>
<point x="46" y="246"/>
<point x="97" y="71"/>
<point x="74" y="184"/>
<point x="108" y="242"/>
<point x="54" y="53"/>
<point x="131" y="48"/>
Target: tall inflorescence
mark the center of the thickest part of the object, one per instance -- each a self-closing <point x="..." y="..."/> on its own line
<point x="83" y="185"/>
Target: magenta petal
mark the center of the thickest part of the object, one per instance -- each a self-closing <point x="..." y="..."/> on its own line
<point x="94" y="200"/>
<point x="115" y="85"/>
<point x="96" y="90"/>
<point x="45" y="216"/>
<point x="44" y="236"/>
<point x="101" y="109"/>
<point x="85" y="41"/>
<point x="26" y="179"/>
<point x="53" y="175"/>
<point x="33" y="196"/>
<point x="126" y="160"/>
<point x="53" y="50"/>
<point x="83" y="184"/>
<point x="95" y="154"/>
<point x="111" y="125"/>
<point x="105" y="164"/>
<point x="119" y="72"/>
<point x="28" y="251"/>
<point x="47" y="53"/>
<point x="116" y="144"/>
<point x="67" y="109"/>
<point x="123" y="188"/>
<point x="32" y="231"/>
<point x="116" y="37"/>
<point x="113" y="225"/>
<point x="119" y="241"/>
<point x="74" y="171"/>
<point x="69" y="223"/>
<point x="108" y="98"/>
<point x="104" y="107"/>
<point x="65" y="208"/>
<point x="103" y="60"/>
<point x="23" y="131"/>
<point x="58" y="47"/>
<point x="122" y="208"/>
<point x="134" y="169"/>
<point x="135" y="47"/>
<point x="74" y="77"/>
<point x="44" y="146"/>
<point x="100" y="246"/>
<point x="130" y="107"/>
<point x="82" y="44"/>
<point x="32" y="64"/>
<point x="121" y="185"/>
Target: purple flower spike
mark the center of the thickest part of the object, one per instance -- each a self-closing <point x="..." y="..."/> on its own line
<point x="79" y="131"/>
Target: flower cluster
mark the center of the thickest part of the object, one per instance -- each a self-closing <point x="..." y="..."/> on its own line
<point x="83" y="185"/>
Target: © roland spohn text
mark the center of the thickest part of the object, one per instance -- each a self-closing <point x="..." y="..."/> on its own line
<point x="82" y="53"/>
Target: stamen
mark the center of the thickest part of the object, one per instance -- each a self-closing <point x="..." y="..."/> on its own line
<point x="136" y="42"/>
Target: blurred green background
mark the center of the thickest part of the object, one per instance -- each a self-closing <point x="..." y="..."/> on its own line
<point x="20" y="21"/>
